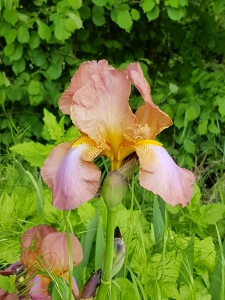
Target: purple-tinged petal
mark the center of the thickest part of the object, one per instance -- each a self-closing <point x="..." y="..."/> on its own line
<point x="39" y="288"/>
<point x="70" y="174"/>
<point x="75" y="288"/>
<point x="160" y="174"/>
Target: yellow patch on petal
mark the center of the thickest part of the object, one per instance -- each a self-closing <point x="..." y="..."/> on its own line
<point x="90" y="150"/>
<point x="147" y="142"/>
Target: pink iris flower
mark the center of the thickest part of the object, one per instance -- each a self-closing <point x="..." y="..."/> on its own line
<point x="45" y="255"/>
<point x="97" y="101"/>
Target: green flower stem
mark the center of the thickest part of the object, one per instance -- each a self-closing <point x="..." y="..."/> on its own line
<point x="109" y="253"/>
<point x="66" y="219"/>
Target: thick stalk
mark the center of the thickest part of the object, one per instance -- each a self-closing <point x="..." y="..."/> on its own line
<point x="109" y="253"/>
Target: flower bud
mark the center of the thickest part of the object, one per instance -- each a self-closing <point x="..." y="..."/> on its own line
<point x="89" y="289"/>
<point x="127" y="170"/>
<point x="114" y="188"/>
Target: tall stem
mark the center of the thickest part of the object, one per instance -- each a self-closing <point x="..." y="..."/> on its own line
<point x="66" y="219"/>
<point x="108" y="263"/>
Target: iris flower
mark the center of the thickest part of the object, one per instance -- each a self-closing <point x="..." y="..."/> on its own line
<point x="45" y="255"/>
<point x="97" y="101"/>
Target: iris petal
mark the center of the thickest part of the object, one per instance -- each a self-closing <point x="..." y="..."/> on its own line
<point x="148" y="113"/>
<point x="72" y="179"/>
<point x="80" y="78"/>
<point x="161" y="175"/>
<point x="55" y="252"/>
<point x="101" y="110"/>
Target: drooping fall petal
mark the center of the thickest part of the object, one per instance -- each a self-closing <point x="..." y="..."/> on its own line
<point x="80" y="78"/>
<point x="101" y="110"/>
<point x="39" y="288"/>
<point x="160" y="174"/>
<point x="72" y="179"/>
<point x="55" y="252"/>
<point x="31" y="243"/>
<point x="147" y="113"/>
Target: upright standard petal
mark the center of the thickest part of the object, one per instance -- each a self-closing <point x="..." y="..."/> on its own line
<point x="70" y="174"/>
<point x="147" y="113"/>
<point x="56" y="255"/>
<point x="101" y="110"/>
<point x="159" y="173"/>
<point x="80" y="78"/>
<point x="31" y="243"/>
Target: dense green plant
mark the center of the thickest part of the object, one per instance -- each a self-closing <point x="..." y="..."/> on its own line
<point x="179" y="45"/>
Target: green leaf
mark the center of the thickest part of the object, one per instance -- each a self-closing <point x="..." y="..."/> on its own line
<point x="183" y="2"/>
<point x="99" y="2"/>
<point x="18" y="53"/>
<point x="34" y="40"/>
<point x="193" y="111"/>
<point x="52" y="126"/>
<point x="174" y="3"/>
<point x="212" y="213"/>
<point x="158" y="223"/>
<point x="61" y="33"/>
<point x="186" y="270"/>
<point x="98" y="15"/>
<point x="43" y="30"/>
<point x="8" y="4"/>
<point x="175" y="14"/>
<point x="34" y="87"/>
<point x="77" y="20"/>
<point x="54" y="72"/>
<point x="35" y="99"/>
<point x="72" y="134"/>
<point x="9" y="49"/>
<point x="23" y="34"/>
<point x="34" y="153"/>
<point x="124" y="20"/>
<point x="203" y="127"/>
<point x="11" y="16"/>
<point x="153" y="14"/>
<point x="10" y="38"/>
<point x="76" y="4"/>
<point x="217" y="287"/>
<point x="147" y="5"/>
<point x="222" y="108"/>
<point x="135" y="14"/>
<point x="219" y="6"/>
<point x="19" y="66"/>
<point x="70" y="25"/>
<point x="2" y="97"/>
<point x="213" y="128"/>
<point x="173" y="88"/>
<point x="123" y="289"/>
<point x="189" y="146"/>
<point x="100" y="245"/>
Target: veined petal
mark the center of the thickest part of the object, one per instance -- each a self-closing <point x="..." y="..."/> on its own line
<point x="80" y="78"/>
<point x="160" y="174"/>
<point x="101" y="110"/>
<point x="39" y="288"/>
<point x="31" y="244"/>
<point x="72" y="179"/>
<point x="55" y="252"/>
<point x="148" y="113"/>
